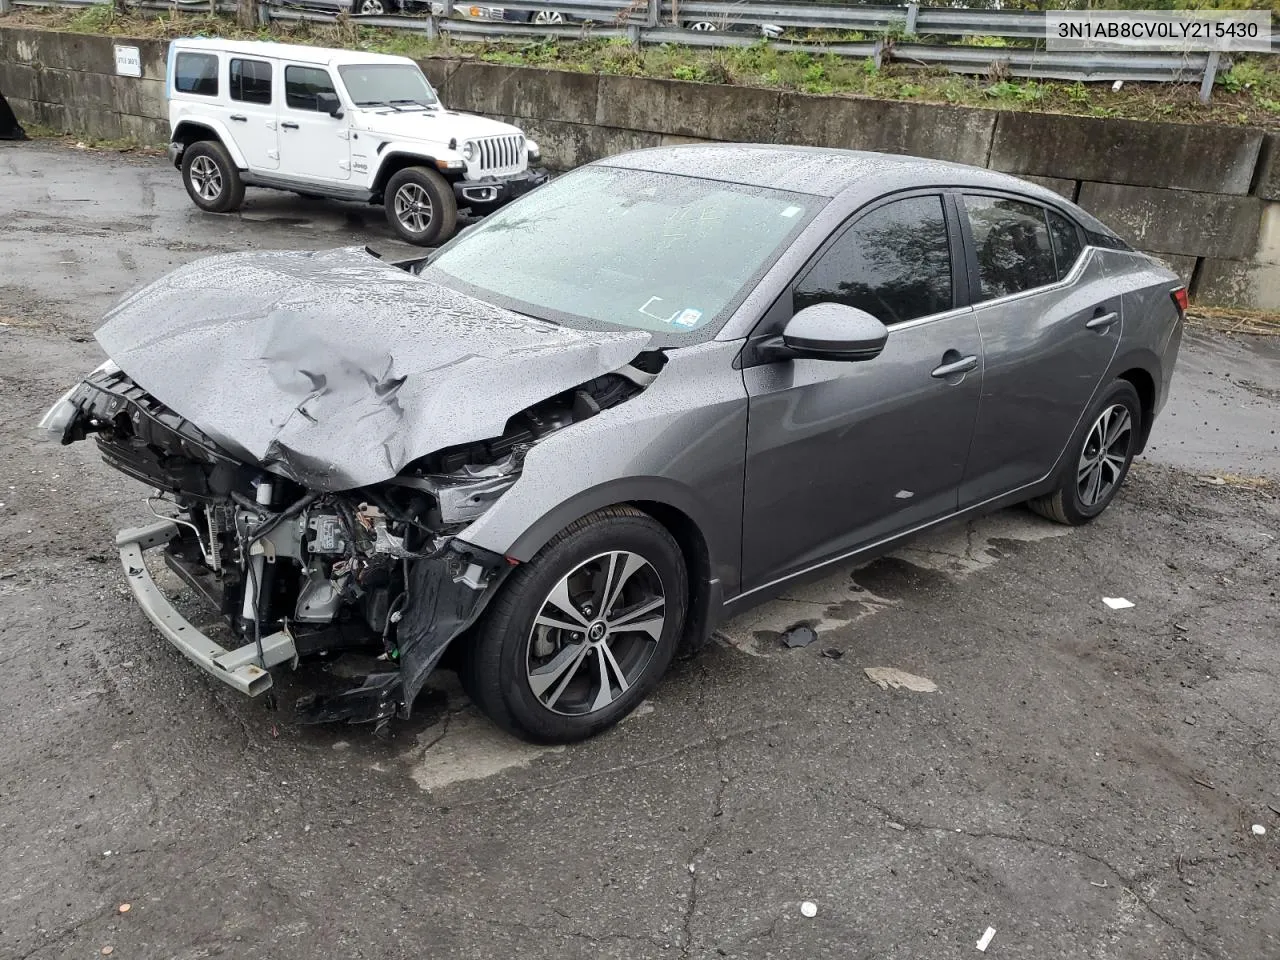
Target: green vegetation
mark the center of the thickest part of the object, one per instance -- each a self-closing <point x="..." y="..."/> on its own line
<point x="1248" y="93"/>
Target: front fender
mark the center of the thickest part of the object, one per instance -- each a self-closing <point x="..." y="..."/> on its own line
<point x="217" y="129"/>
<point x="681" y="443"/>
<point x="391" y="154"/>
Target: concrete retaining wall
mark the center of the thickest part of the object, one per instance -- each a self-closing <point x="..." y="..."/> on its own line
<point x="1205" y="198"/>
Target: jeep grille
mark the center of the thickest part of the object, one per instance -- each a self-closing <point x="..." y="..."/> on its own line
<point x="500" y="155"/>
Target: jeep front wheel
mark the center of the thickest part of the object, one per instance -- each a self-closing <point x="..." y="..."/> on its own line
<point x="211" y="178"/>
<point x="420" y="206"/>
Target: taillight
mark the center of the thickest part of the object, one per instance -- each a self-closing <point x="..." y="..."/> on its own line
<point x="1180" y="298"/>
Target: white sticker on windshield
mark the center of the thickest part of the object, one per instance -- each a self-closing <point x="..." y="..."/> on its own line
<point x="687" y="318"/>
<point x="791" y="211"/>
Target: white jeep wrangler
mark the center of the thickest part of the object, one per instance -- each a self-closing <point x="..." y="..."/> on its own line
<point x="336" y="123"/>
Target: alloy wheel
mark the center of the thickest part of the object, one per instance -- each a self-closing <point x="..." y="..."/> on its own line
<point x="548" y="16"/>
<point x="595" y="633"/>
<point x="372" y="7"/>
<point x="1105" y="455"/>
<point x="703" y="26"/>
<point x="206" y="178"/>
<point x="413" y="208"/>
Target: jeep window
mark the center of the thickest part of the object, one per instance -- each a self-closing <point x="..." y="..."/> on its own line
<point x="302" y="85"/>
<point x="196" y="73"/>
<point x="392" y="84"/>
<point x="604" y="247"/>
<point x="251" y="81"/>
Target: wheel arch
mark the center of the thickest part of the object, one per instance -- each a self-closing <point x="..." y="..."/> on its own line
<point x="395" y="161"/>
<point x="1141" y="368"/>
<point x="670" y="504"/>
<point x="188" y="132"/>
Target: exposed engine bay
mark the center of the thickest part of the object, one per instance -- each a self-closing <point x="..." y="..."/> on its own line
<point x="374" y="569"/>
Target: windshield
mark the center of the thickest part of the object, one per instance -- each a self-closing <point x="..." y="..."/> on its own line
<point x="605" y="247"/>
<point x="392" y="84"/>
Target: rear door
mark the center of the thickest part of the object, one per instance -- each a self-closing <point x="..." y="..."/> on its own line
<point x="252" y="118"/>
<point x="843" y="454"/>
<point x="313" y="144"/>
<point x="1050" y="320"/>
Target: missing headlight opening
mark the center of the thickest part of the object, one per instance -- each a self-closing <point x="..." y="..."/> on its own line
<point x="297" y="572"/>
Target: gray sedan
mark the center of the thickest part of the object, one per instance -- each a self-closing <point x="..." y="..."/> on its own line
<point x="646" y="396"/>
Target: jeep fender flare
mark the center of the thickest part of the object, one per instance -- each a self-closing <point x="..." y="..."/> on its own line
<point x="207" y="128"/>
<point x="393" y="153"/>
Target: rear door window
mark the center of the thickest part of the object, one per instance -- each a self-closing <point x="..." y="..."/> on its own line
<point x="894" y="263"/>
<point x="1011" y="241"/>
<point x="196" y="73"/>
<point x="301" y="84"/>
<point x="250" y="81"/>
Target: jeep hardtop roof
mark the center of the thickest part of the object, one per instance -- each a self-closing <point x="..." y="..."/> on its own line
<point x="295" y="52"/>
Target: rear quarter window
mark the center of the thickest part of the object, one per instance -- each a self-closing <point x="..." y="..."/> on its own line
<point x="196" y="73"/>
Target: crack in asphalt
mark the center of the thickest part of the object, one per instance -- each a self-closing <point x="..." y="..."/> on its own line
<point x="717" y="813"/>
<point x="1129" y="884"/>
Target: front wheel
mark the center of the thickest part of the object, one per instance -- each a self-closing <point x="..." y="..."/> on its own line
<point x="420" y="206"/>
<point x="1099" y="459"/>
<point x="583" y="632"/>
<point x="211" y="178"/>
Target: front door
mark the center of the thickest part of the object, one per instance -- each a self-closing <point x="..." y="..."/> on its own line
<point x="313" y="144"/>
<point x="1050" y="319"/>
<point x="252" y="117"/>
<point x="843" y="454"/>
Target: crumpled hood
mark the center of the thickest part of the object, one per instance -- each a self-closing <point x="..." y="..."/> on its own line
<point x="336" y="369"/>
<point x="435" y="125"/>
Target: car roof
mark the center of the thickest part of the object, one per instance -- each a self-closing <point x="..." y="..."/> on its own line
<point x="296" y="52"/>
<point x="819" y="171"/>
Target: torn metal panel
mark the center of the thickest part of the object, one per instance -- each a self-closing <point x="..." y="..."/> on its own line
<point x="335" y="369"/>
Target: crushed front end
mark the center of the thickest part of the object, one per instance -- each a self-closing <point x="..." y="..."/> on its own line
<point x="294" y="572"/>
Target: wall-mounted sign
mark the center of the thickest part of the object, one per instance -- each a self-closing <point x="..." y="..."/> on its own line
<point x="128" y="61"/>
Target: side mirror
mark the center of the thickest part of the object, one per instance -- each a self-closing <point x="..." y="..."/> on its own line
<point x="832" y="331"/>
<point x="330" y="104"/>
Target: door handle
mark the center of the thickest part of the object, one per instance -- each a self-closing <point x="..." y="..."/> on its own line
<point x="1103" y="321"/>
<point x="963" y="365"/>
<point x="289" y="125"/>
<point x="240" y="117"/>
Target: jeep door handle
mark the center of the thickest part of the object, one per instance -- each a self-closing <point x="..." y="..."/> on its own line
<point x="289" y="125"/>
<point x="240" y="117"/>
<point x="1103" y="321"/>
<point x="963" y="365"/>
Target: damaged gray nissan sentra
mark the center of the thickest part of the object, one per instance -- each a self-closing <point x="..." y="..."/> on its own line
<point x="635" y="401"/>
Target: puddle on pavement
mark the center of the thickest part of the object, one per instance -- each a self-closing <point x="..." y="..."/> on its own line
<point x="851" y="593"/>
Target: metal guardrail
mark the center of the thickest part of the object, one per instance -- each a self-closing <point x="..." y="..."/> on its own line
<point x="892" y="32"/>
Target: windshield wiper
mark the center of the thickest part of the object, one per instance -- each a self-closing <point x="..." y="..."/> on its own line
<point x="416" y="103"/>
<point x="380" y="103"/>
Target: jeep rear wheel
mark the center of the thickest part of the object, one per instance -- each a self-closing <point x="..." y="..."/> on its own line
<point x="211" y="178"/>
<point x="420" y="206"/>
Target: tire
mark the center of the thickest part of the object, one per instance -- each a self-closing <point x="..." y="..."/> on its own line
<point x="1096" y="466"/>
<point x="213" y="183"/>
<point x="420" y="206"/>
<point x="545" y="683"/>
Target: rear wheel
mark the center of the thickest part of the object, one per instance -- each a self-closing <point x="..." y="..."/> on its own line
<point x="420" y="206"/>
<point x="211" y="178"/>
<point x="1099" y="460"/>
<point x="583" y="632"/>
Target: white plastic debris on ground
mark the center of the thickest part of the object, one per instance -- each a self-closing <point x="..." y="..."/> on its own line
<point x="809" y="908"/>
<point x="1259" y="830"/>
<point x="986" y="939"/>
<point x="886" y="677"/>
<point x="1117" y="603"/>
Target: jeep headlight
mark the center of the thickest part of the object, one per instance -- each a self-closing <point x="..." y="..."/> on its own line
<point x="534" y="150"/>
<point x="469" y="151"/>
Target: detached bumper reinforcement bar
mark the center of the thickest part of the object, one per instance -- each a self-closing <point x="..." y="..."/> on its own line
<point x="238" y="668"/>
